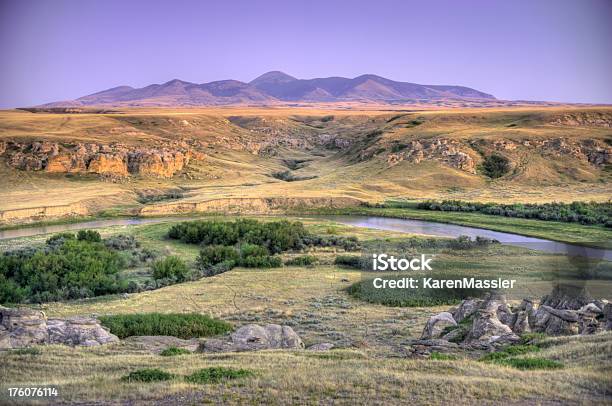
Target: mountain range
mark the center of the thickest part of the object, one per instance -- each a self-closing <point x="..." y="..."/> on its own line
<point x="274" y="87"/>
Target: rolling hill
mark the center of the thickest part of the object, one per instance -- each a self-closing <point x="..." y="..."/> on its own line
<point x="273" y="88"/>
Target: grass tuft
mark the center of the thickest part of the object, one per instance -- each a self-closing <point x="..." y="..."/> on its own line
<point x="156" y="324"/>
<point x="173" y="351"/>
<point x="439" y="356"/>
<point x="216" y="375"/>
<point x="147" y="375"/>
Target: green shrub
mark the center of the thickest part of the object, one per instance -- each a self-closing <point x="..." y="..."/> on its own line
<point x="575" y="212"/>
<point x="171" y="267"/>
<point x="530" y="363"/>
<point x="216" y="254"/>
<point x="147" y="375"/>
<point x="351" y="261"/>
<point x="261" y="262"/>
<point x="302" y="260"/>
<point x="219" y="268"/>
<point x="528" y="338"/>
<point x="216" y="375"/>
<point x="121" y="242"/>
<point x="510" y="351"/>
<point x="438" y="356"/>
<point x="172" y="351"/>
<point x="276" y="236"/>
<point x="32" y="351"/>
<point x="65" y="269"/>
<point x="89" y="235"/>
<point x="495" y="166"/>
<point x="184" y="326"/>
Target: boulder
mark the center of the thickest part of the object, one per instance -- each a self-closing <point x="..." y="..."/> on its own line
<point x="22" y="328"/>
<point x="270" y="336"/>
<point x="487" y="328"/>
<point x="554" y="321"/>
<point x="465" y="309"/>
<point x="436" y="324"/>
<point x="83" y="331"/>
<point x="252" y="337"/>
<point x="25" y="327"/>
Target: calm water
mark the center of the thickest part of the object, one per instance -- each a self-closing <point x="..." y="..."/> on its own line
<point x="379" y="223"/>
<point x="451" y="230"/>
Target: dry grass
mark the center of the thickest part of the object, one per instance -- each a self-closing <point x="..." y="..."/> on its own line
<point x="228" y="172"/>
<point x="371" y="366"/>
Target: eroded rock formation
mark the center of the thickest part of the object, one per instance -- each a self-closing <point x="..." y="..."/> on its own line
<point x="114" y="160"/>
<point x="491" y="323"/>
<point x="25" y="327"/>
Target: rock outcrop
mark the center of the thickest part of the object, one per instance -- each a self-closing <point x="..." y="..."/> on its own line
<point x="254" y="337"/>
<point x="446" y="151"/>
<point x="459" y="155"/>
<point x="436" y="324"/>
<point x="113" y="160"/>
<point x="25" y="327"/>
<point x="491" y="323"/>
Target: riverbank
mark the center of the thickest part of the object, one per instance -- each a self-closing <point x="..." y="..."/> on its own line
<point x="571" y="233"/>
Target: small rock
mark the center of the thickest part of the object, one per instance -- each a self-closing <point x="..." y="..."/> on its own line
<point x="321" y="347"/>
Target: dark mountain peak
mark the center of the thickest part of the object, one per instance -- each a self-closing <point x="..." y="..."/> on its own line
<point x="274" y="76"/>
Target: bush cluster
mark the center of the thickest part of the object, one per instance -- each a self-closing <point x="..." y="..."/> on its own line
<point x="302" y="260"/>
<point x="215" y="259"/>
<point x="186" y="326"/>
<point x="495" y="166"/>
<point x="66" y="268"/>
<point x="172" y="267"/>
<point x="276" y="236"/>
<point x="576" y="212"/>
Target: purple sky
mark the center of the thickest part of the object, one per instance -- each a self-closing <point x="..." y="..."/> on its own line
<point x="557" y="50"/>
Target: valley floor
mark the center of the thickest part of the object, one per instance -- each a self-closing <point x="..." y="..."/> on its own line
<point x="371" y="364"/>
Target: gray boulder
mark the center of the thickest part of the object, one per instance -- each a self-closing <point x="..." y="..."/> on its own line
<point x="466" y="309"/>
<point x="22" y="328"/>
<point x="436" y="324"/>
<point x="321" y="347"/>
<point x="254" y="337"/>
<point x="83" y="331"/>
<point x="25" y="327"/>
<point x="487" y="329"/>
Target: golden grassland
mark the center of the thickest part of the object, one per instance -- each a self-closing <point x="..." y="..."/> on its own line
<point x="372" y="367"/>
<point x="231" y="172"/>
<point x="340" y="377"/>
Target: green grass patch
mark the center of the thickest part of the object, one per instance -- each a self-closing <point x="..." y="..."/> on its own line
<point x="530" y="363"/>
<point x="216" y="375"/>
<point x="302" y="260"/>
<point x="439" y="356"/>
<point x="365" y="290"/>
<point x="156" y="324"/>
<point x="32" y="351"/>
<point x="173" y="351"/>
<point x="147" y="375"/>
<point x="529" y="338"/>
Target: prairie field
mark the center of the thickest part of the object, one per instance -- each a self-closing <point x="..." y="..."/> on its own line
<point x="320" y="152"/>
<point x="371" y="361"/>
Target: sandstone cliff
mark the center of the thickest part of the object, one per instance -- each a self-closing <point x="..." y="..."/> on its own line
<point x="113" y="160"/>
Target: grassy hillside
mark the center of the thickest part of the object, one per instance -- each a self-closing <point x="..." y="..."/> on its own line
<point x="363" y="154"/>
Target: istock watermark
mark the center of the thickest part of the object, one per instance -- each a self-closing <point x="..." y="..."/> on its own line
<point x="385" y="262"/>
